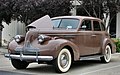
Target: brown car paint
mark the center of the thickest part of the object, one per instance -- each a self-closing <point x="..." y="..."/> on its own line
<point x="82" y="43"/>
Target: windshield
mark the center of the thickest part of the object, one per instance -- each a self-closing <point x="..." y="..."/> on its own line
<point x="65" y="23"/>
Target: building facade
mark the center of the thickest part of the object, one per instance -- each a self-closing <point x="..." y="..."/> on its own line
<point x="9" y="31"/>
<point x="118" y="26"/>
<point x="1" y="27"/>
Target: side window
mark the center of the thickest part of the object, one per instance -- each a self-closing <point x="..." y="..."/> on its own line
<point x="103" y="26"/>
<point x="56" y="22"/>
<point x="96" y="26"/>
<point x="86" y="25"/>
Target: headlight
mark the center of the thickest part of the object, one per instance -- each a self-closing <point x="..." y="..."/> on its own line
<point x="41" y="38"/>
<point x="17" y="38"/>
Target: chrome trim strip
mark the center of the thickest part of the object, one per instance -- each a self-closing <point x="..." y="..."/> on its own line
<point x="28" y="57"/>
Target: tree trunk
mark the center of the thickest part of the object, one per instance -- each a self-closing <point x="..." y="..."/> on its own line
<point x="106" y="20"/>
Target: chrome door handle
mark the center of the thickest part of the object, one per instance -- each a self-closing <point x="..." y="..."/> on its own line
<point x="93" y="35"/>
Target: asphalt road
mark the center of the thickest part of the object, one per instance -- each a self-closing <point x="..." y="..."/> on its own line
<point x="86" y="67"/>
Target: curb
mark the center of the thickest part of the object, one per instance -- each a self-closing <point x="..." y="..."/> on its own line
<point x="2" y="53"/>
<point x="116" y="54"/>
<point x="3" y="50"/>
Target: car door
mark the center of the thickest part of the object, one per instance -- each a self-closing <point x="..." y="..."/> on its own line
<point x="97" y="37"/>
<point x="85" y="38"/>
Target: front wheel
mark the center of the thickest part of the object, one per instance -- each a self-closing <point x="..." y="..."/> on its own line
<point x="18" y="64"/>
<point x="107" y="56"/>
<point x="63" y="62"/>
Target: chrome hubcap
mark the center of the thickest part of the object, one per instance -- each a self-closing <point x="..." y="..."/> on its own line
<point x="64" y="60"/>
<point x="107" y="53"/>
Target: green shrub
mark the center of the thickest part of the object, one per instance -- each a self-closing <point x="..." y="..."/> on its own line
<point x="117" y="43"/>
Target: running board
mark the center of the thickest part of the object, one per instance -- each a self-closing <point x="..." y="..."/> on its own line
<point x="90" y="57"/>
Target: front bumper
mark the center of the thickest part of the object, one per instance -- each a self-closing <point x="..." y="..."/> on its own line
<point x="28" y="54"/>
<point x="29" y="57"/>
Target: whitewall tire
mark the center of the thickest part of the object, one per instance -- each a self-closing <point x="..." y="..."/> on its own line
<point x="107" y="56"/>
<point x="63" y="62"/>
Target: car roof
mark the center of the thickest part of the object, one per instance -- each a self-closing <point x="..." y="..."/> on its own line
<point x="76" y="17"/>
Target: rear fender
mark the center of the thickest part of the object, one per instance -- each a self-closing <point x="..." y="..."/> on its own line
<point x="108" y="42"/>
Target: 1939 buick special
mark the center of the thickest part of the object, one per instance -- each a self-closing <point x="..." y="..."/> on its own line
<point x="61" y="41"/>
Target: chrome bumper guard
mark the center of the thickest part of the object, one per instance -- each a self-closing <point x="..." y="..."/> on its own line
<point x="35" y="57"/>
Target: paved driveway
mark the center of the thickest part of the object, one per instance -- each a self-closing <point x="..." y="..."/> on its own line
<point x="86" y="67"/>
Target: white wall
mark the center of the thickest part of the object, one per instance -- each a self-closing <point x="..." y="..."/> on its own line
<point x="9" y="31"/>
<point x="118" y="26"/>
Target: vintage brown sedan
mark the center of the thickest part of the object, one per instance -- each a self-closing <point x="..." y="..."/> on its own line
<point x="61" y="41"/>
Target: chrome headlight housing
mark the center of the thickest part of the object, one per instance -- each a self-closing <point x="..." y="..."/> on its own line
<point x="17" y="38"/>
<point x="41" y="38"/>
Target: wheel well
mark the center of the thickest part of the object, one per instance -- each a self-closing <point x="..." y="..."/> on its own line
<point x="71" y="51"/>
<point x="110" y="46"/>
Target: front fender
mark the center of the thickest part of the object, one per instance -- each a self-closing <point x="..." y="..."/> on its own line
<point x="49" y="48"/>
<point x="62" y="43"/>
<point x="13" y="44"/>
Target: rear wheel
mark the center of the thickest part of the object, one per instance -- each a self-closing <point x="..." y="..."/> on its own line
<point x="18" y="64"/>
<point x="107" y="56"/>
<point x="63" y="62"/>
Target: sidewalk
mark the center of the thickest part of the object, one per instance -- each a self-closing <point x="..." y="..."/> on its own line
<point x="3" y="50"/>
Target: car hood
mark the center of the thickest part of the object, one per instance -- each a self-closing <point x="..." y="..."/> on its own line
<point x="43" y="23"/>
<point x="60" y="33"/>
<point x="57" y="32"/>
<point x="44" y="26"/>
<point x="52" y="32"/>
